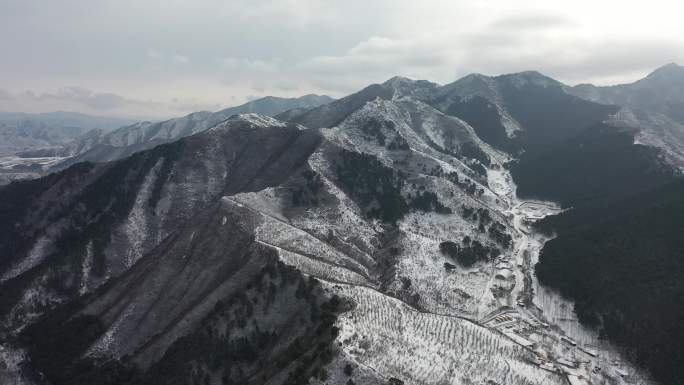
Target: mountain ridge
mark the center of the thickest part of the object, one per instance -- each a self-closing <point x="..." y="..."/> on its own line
<point x="387" y="222"/>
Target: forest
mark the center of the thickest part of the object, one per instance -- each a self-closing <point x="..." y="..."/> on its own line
<point x="623" y="268"/>
<point x="239" y="341"/>
<point x="617" y="251"/>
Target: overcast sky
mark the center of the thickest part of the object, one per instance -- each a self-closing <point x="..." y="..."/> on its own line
<point x="164" y="58"/>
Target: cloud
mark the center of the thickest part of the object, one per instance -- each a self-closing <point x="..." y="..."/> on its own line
<point x="4" y="95"/>
<point x="251" y="65"/>
<point x="192" y="105"/>
<point x="180" y="59"/>
<point x="533" y="21"/>
<point x="102" y="101"/>
<point x="160" y="59"/>
<point x="155" y="54"/>
<point x="444" y="59"/>
<point x="221" y="51"/>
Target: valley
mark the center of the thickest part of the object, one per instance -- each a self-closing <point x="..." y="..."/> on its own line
<point x="537" y="317"/>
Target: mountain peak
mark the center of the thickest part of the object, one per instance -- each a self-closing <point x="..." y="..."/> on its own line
<point x="403" y="86"/>
<point x="668" y="70"/>
<point x="535" y="78"/>
<point x="398" y="80"/>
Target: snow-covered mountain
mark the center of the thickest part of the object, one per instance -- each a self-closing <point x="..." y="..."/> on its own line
<point x="22" y="131"/>
<point x="143" y="135"/>
<point x="653" y="107"/>
<point x="514" y="112"/>
<point x="662" y="91"/>
<point x="373" y="239"/>
<point x="40" y="136"/>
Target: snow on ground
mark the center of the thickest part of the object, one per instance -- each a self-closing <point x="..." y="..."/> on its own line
<point x="35" y="256"/>
<point x="323" y="270"/>
<point x="551" y="322"/>
<point x="654" y="130"/>
<point x="509" y="123"/>
<point x="135" y="228"/>
<point x="512" y="329"/>
<point x="11" y="161"/>
<point x="456" y="292"/>
<point x="25" y="310"/>
<point x="14" y="168"/>
<point x="11" y="360"/>
<point x="86" y="267"/>
<point x="254" y="120"/>
<point x="299" y="242"/>
<point x="108" y="343"/>
<point x="391" y="338"/>
<point x="335" y="242"/>
<point x="500" y="182"/>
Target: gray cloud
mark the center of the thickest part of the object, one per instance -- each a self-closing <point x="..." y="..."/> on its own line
<point x="100" y="103"/>
<point x="517" y="23"/>
<point x="210" y="53"/>
<point x="192" y="105"/>
<point x="4" y="95"/>
<point x="95" y="100"/>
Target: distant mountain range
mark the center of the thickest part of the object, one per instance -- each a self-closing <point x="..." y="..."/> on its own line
<point x="60" y="139"/>
<point x="22" y="131"/>
<point x="496" y="230"/>
<point x="661" y="92"/>
<point x="107" y="146"/>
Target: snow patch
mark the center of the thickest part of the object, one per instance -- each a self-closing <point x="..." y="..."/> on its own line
<point x="86" y="266"/>
<point x="35" y="256"/>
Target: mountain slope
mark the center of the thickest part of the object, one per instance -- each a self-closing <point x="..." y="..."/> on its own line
<point x="361" y="211"/>
<point x="208" y="292"/>
<point x="662" y="92"/>
<point x="386" y="244"/>
<point x="66" y="234"/>
<point x="598" y="164"/>
<point x="331" y="114"/>
<point x="521" y="112"/>
<point x="620" y="260"/>
<point x="652" y="107"/>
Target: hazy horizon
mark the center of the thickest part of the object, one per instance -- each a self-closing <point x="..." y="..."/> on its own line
<point x="251" y="98"/>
